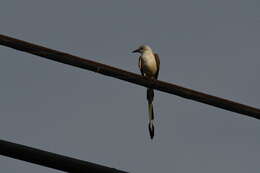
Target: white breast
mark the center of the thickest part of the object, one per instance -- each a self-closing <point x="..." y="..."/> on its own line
<point x="149" y="63"/>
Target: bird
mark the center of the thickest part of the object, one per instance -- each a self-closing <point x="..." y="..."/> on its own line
<point x="149" y="65"/>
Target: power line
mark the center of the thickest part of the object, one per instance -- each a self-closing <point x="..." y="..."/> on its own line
<point x="128" y="76"/>
<point x="51" y="160"/>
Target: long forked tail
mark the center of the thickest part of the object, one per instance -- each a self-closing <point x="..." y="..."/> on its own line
<point x="150" y="96"/>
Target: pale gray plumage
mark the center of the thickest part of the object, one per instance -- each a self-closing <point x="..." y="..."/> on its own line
<point x="149" y="65"/>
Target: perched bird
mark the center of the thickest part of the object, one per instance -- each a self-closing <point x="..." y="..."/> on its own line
<point x="149" y="65"/>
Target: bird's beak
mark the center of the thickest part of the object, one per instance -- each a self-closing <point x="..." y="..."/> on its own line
<point x="135" y="51"/>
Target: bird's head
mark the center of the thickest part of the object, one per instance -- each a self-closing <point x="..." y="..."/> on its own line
<point x="142" y="49"/>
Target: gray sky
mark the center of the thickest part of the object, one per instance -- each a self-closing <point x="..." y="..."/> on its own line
<point x="210" y="46"/>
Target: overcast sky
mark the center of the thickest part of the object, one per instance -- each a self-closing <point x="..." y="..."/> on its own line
<point x="210" y="46"/>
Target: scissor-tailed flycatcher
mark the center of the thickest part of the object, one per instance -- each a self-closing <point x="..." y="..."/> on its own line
<point x="149" y="64"/>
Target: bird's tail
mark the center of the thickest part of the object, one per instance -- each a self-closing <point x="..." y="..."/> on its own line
<point x="150" y="96"/>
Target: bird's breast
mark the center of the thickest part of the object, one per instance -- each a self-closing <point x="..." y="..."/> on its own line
<point x="149" y="64"/>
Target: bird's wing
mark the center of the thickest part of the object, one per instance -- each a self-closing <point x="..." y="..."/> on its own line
<point x="140" y="65"/>
<point x="157" y="59"/>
